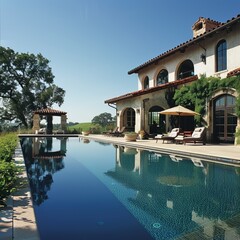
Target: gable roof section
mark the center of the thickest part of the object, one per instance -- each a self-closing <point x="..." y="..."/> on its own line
<point x="186" y="44"/>
<point x="50" y="111"/>
<point x="153" y="89"/>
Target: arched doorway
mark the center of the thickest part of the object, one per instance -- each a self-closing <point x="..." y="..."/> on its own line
<point x="129" y="119"/>
<point x="224" y="118"/>
<point x="156" y="121"/>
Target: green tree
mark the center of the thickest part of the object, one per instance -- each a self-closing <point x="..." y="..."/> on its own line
<point x="26" y="84"/>
<point x="195" y="95"/>
<point x="103" y="119"/>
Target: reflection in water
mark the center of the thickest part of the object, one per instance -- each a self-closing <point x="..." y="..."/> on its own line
<point x="182" y="195"/>
<point x="42" y="162"/>
<point x="171" y="196"/>
<point x="102" y="143"/>
<point x="86" y="140"/>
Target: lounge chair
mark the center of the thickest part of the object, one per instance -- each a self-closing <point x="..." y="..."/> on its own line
<point x="59" y="131"/>
<point x="111" y="131"/>
<point x="169" y="137"/>
<point x="198" y="136"/>
<point x="41" y="131"/>
<point x="119" y="133"/>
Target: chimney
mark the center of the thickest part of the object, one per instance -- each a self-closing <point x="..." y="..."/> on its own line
<point x="203" y="25"/>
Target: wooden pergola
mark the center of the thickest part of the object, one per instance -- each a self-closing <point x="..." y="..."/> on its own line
<point x="49" y="113"/>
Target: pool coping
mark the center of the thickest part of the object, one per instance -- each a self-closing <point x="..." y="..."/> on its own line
<point x="173" y="148"/>
<point x="169" y="148"/>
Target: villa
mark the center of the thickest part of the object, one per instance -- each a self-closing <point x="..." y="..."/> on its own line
<point x="213" y="51"/>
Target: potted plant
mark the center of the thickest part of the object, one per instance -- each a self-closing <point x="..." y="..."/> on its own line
<point x="141" y="134"/>
<point x="85" y="133"/>
<point x="130" y="136"/>
<point x="237" y="136"/>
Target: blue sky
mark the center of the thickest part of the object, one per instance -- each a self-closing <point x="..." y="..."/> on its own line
<point x="92" y="44"/>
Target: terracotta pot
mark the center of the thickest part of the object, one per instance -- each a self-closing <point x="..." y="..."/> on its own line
<point x="130" y="136"/>
<point x="85" y="133"/>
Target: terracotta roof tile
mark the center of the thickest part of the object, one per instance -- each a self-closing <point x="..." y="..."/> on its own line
<point x="50" y="111"/>
<point x="234" y="72"/>
<point x="153" y="89"/>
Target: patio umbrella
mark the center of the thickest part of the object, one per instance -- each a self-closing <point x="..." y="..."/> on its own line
<point x="179" y="111"/>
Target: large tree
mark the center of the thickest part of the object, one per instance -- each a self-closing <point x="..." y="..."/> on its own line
<point x="103" y="119"/>
<point x="26" y="84"/>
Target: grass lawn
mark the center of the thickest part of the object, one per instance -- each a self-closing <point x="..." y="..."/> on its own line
<point x="87" y="126"/>
<point x="82" y="126"/>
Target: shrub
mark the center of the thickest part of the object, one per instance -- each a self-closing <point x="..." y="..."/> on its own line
<point x="8" y="144"/>
<point x="8" y="178"/>
<point x="8" y="170"/>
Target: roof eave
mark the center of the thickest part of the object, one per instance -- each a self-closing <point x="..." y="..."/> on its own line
<point x="153" y="89"/>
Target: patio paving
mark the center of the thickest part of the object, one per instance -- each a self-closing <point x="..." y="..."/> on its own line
<point x="17" y="220"/>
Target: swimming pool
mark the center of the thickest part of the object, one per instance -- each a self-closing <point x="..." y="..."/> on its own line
<point x="84" y="189"/>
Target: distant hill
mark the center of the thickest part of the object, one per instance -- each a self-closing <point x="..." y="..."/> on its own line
<point x="87" y="126"/>
<point x="82" y="126"/>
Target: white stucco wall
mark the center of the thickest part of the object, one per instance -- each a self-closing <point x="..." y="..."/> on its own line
<point x="141" y="105"/>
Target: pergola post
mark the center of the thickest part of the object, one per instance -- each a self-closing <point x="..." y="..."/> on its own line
<point x="36" y="122"/>
<point x="64" y="122"/>
<point x="49" y="124"/>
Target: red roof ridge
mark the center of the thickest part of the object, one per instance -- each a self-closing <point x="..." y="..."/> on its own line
<point x="49" y="111"/>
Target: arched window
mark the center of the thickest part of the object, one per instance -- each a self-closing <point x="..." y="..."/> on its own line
<point x="146" y="83"/>
<point x="162" y="77"/>
<point x="186" y="69"/>
<point x="221" y="56"/>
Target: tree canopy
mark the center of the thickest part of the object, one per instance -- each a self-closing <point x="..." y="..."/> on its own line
<point x="26" y="84"/>
<point x="103" y="119"/>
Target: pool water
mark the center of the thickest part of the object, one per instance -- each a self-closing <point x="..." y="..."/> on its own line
<point x="84" y="189"/>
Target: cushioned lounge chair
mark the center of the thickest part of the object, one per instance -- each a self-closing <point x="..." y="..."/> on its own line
<point x="169" y="137"/>
<point x="198" y="136"/>
<point x="119" y="133"/>
<point x="41" y="131"/>
<point x="111" y="131"/>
